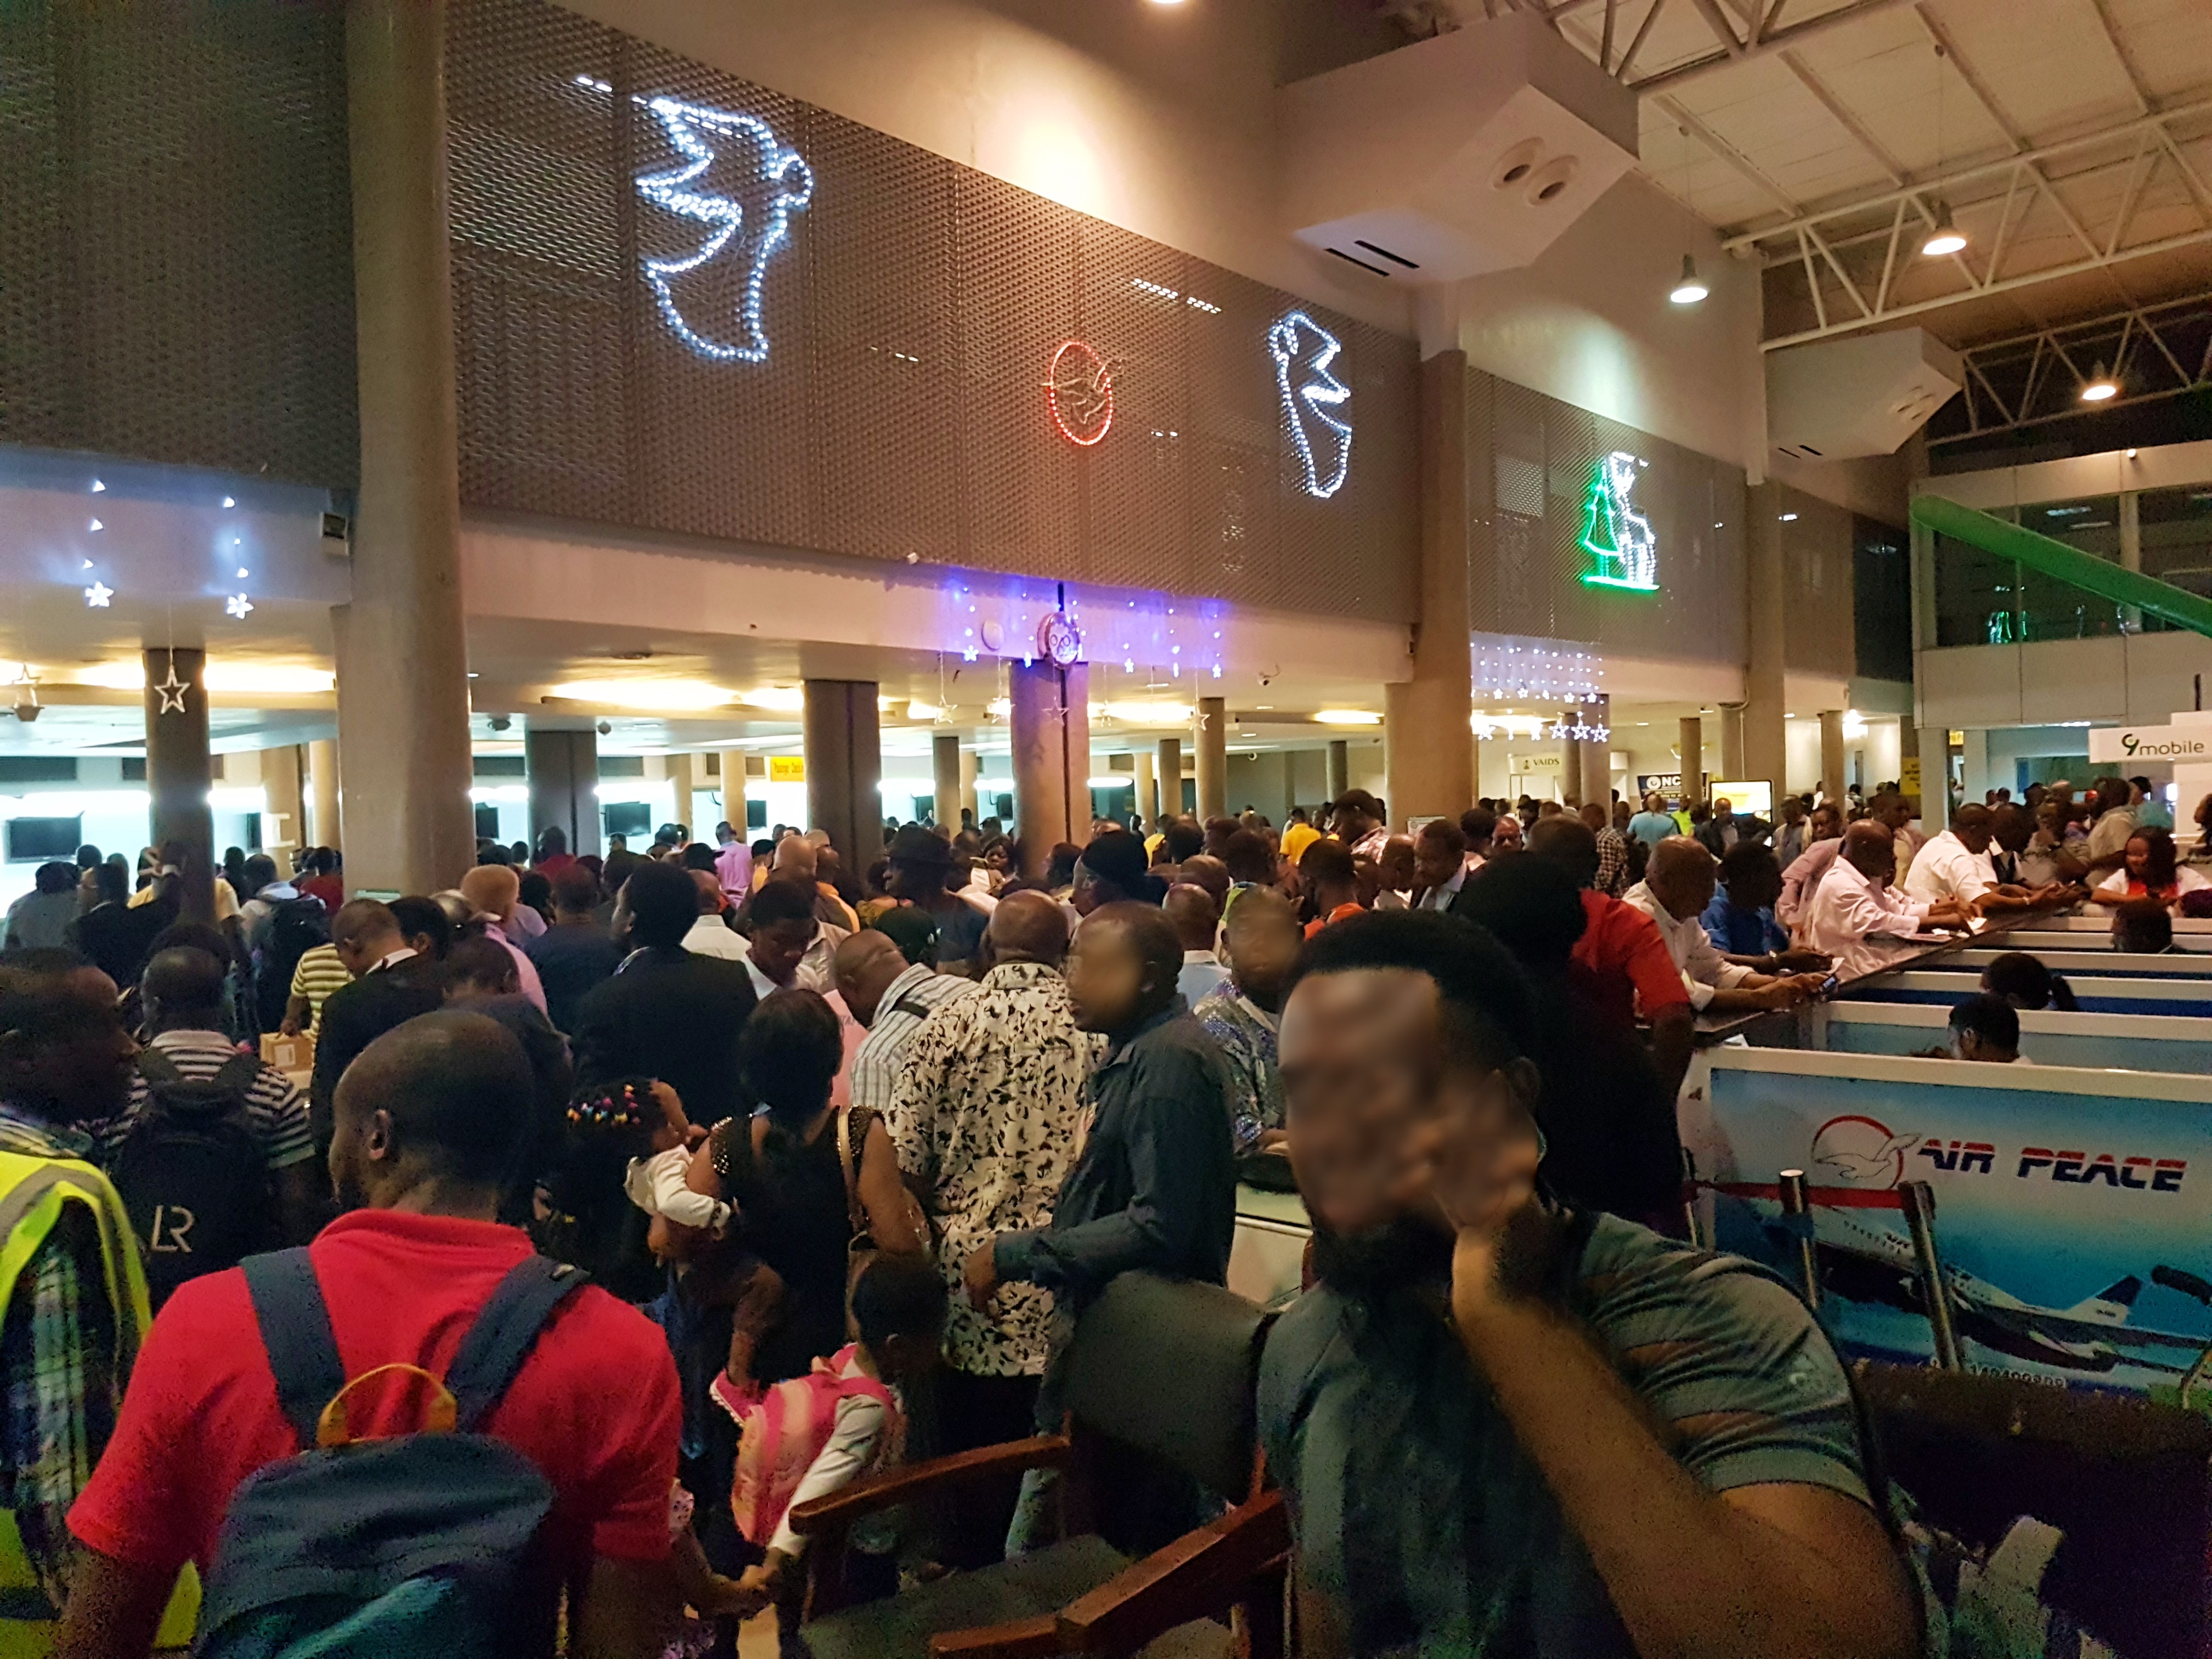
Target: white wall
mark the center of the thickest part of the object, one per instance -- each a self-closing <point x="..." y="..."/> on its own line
<point x="1159" y="119"/>
<point x="1589" y="323"/>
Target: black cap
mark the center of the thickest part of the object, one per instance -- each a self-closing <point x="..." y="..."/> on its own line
<point x="916" y="845"/>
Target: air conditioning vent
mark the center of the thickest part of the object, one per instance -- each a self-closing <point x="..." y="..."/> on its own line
<point x="1468" y="153"/>
<point x="1394" y="259"/>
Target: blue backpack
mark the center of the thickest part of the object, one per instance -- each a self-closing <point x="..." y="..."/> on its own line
<point x="423" y="1543"/>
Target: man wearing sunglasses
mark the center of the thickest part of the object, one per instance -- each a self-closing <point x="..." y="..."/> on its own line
<point x="1507" y="1428"/>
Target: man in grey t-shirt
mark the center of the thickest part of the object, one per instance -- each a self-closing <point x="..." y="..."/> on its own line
<point x="1507" y="1429"/>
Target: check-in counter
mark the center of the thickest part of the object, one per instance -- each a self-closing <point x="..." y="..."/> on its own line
<point x="2138" y="1042"/>
<point x="2060" y="1194"/>
<point x="2190" y="998"/>
<point x="2115" y="964"/>
<point x="1267" y="1258"/>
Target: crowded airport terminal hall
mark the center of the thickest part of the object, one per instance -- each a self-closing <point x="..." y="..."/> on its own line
<point x="1204" y="829"/>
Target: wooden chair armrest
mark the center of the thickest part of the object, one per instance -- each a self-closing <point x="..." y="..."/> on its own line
<point x="904" y="1486"/>
<point x="1191" y="1578"/>
<point x="1022" y="1638"/>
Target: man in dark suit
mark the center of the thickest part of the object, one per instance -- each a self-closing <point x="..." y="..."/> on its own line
<point x="393" y="980"/>
<point x="667" y="1013"/>
<point x="1724" y="828"/>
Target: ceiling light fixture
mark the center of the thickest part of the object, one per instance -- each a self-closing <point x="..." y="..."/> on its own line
<point x="1943" y="236"/>
<point x="650" y="697"/>
<point x="1346" y="717"/>
<point x="2100" y="387"/>
<point x="1692" y="288"/>
<point x="783" y="699"/>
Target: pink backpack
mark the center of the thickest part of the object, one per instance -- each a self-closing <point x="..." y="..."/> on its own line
<point x="785" y="1432"/>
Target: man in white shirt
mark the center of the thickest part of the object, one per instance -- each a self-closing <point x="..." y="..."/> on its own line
<point x="1956" y="865"/>
<point x="1856" y="917"/>
<point x="1196" y="916"/>
<point x="710" y="936"/>
<point x="1677" y="886"/>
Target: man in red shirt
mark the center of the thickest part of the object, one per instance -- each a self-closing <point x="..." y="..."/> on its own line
<point x="428" y="1121"/>
<point x="1623" y="961"/>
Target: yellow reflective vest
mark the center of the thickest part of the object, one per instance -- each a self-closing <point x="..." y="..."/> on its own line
<point x="34" y="1193"/>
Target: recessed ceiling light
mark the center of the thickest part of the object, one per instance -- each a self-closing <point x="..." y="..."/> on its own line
<point x="650" y="696"/>
<point x="1347" y="717"/>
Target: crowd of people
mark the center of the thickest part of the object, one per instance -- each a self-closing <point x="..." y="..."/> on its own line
<point x="881" y="1134"/>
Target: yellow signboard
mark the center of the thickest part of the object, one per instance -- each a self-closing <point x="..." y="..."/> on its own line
<point x="786" y="768"/>
<point x="1908" y="777"/>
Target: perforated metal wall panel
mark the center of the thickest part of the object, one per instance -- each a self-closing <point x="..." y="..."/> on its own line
<point x="890" y="402"/>
<point x="176" y="272"/>
<point x="1546" y="457"/>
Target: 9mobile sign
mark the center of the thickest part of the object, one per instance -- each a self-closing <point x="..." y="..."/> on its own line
<point x="2184" y="745"/>
<point x="2060" y="1194"/>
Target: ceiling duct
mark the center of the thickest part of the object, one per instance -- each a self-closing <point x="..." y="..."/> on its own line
<point x="1468" y="153"/>
<point x="1835" y="399"/>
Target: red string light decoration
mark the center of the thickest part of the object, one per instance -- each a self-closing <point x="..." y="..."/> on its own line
<point x="1079" y="389"/>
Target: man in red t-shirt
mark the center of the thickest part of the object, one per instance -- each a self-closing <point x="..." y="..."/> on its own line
<point x="427" y="1122"/>
<point x="1624" y="964"/>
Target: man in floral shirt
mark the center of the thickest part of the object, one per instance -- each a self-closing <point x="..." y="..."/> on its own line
<point x="986" y="1118"/>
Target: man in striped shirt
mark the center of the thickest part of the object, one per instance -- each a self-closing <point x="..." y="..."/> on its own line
<point x="182" y="992"/>
<point x="319" y="974"/>
<point x="891" y="997"/>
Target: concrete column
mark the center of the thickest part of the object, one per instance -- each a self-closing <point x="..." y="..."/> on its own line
<point x="845" y="768"/>
<point x="1831" y="753"/>
<point x="1169" y="766"/>
<point x="1693" y="759"/>
<point x="683" y="771"/>
<point x="1213" y="758"/>
<point x="284" y="817"/>
<point x="1050" y="719"/>
<point x="180" y="771"/>
<point x="1765" y="745"/>
<point x="1908" y="763"/>
<point x="322" y="828"/>
<point x="1337" y="767"/>
<point x="1594" y="755"/>
<point x="944" y="764"/>
<point x="1148" y="796"/>
<point x="402" y="653"/>
<point x="969" y="796"/>
<point x="733" y="792"/>
<point x="1428" y="767"/>
<point x="563" y="769"/>
<point x="1732" y="733"/>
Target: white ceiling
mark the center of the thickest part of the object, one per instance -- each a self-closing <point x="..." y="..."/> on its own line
<point x="1824" y="104"/>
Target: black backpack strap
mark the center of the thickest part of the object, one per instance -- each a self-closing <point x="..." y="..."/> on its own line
<point x="912" y="1006"/>
<point x="497" y="1344"/>
<point x="237" y="1077"/>
<point x="295" y="1329"/>
<point x="158" y="1069"/>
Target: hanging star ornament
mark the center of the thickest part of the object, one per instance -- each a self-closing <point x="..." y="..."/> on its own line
<point x="98" y="595"/>
<point x="237" y="606"/>
<point x="173" y="690"/>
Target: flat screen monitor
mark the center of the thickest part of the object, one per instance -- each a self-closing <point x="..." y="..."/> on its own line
<point x="39" y="839"/>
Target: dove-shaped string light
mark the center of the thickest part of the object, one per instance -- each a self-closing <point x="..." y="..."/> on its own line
<point x="1304" y="350"/>
<point x="691" y="129"/>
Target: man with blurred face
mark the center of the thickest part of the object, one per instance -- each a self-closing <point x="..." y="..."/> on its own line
<point x="66" y="1061"/>
<point x="1858" y="917"/>
<point x="1676" y="888"/>
<point x="1155" y="1189"/>
<point x="1262" y="944"/>
<point x="1508" y="836"/>
<point x="1463" y="1412"/>
<point x="1440" y="866"/>
<point x="1801" y="877"/>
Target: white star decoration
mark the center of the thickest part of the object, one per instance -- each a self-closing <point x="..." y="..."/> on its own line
<point x="173" y="690"/>
<point x="238" y="605"/>
<point x="98" y="595"/>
